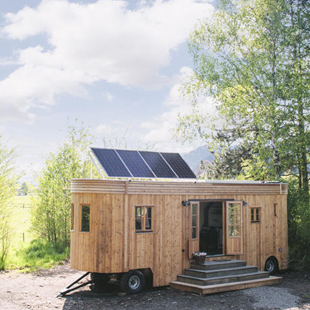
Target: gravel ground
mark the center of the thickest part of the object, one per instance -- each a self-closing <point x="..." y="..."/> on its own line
<point x="39" y="290"/>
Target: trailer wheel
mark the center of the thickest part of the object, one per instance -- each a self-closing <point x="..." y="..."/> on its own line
<point x="271" y="265"/>
<point x="132" y="282"/>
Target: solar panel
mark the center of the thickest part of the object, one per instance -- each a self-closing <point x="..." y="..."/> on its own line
<point x="142" y="164"/>
<point x="178" y="165"/>
<point x="158" y="165"/>
<point x="111" y="163"/>
<point x="135" y="164"/>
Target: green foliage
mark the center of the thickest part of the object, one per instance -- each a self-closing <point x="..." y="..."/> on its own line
<point x="38" y="254"/>
<point x="251" y="57"/>
<point x="298" y="226"/>
<point x="23" y="190"/>
<point x="8" y="186"/>
<point x="52" y="203"/>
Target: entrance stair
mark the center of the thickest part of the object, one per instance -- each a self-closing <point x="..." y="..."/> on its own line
<point x="222" y="276"/>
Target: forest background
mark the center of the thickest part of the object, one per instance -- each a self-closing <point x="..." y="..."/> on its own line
<point x="252" y="57"/>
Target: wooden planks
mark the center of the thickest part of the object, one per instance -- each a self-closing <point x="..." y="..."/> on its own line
<point x="218" y="288"/>
<point x="175" y="188"/>
<point x="113" y="246"/>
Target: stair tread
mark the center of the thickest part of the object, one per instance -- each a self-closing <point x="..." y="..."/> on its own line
<point x="221" y="270"/>
<point x="224" y="277"/>
<point x="269" y="279"/>
<point x="219" y="262"/>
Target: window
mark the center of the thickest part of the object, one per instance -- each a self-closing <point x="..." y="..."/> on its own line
<point x="194" y="220"/>
<point x="85" y="218"/>
<point x="275" y="209"/>
<point x="234" y="219"/>
<point x="143" y="219"/>
<point x="72" y="216"/>
<point x="255" y="215"/>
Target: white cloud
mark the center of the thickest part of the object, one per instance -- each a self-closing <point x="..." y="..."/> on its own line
<point x="92" y="42"/>
<point x="160" y="131"/>
<point x="104" y="130"/>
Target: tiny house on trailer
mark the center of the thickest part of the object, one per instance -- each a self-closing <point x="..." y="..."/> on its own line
<point x="131" y="228"/>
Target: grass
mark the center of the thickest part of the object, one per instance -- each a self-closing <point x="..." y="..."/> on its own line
<point x="38" y="254"/>
<point x="27" y="252"/>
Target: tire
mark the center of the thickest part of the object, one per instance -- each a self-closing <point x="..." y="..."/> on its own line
<point x="132" y="282"/>
<point x="271" y="265"/>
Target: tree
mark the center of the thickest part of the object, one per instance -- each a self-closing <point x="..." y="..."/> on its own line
<point x="52" y="204"/>
<point x="23" y="190"/>
<point x="252" y="58"/>
<point x="8" y="187"/>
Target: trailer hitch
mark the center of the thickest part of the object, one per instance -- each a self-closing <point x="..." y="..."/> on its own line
<point x="69" y="288"/>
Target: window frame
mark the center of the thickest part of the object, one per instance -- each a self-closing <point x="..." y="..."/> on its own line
<point x="143" y="217"/>
<point x="255" y="215"/>
<point x="81" y="218"/>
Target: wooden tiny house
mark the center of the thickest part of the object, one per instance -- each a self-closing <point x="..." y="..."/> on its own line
<point x="135" y="227"/>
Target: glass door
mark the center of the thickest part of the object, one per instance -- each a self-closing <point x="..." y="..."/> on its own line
<point x="193" y="228"/>
<point x="234" y="227"/>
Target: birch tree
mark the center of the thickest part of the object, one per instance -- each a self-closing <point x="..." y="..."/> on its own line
<point x="253" y="59"/>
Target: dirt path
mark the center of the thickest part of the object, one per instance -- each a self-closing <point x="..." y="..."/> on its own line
<point x="39" y="290"/>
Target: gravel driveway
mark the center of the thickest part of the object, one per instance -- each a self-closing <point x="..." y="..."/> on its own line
<point x="39" y="290"/>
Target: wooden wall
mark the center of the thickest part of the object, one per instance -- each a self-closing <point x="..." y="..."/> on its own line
<point x="112" y="246"/>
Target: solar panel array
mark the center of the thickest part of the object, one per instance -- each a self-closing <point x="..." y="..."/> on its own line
<point x="142" y="164"/>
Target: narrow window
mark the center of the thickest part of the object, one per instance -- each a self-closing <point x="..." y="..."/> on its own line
<point x="234" y="219"/>
<point x="143" y="219"/>
<point x="275" y="209"/>
<point x="138" y="219"/>
<point x="72" y="216"/>
<point x="148" y="219"/>
<point x="85" y="218"/>
<point x="255" y="215"/>
<point x="194" y="221"/>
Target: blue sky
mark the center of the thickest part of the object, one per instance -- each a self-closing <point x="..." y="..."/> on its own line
<point x="114" y="65"/>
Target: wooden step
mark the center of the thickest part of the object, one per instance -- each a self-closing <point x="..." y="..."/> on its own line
<point x="220" y="272"/>
<point x="223" y="279"/>
<point x="219" y="264"/>
<point x="224" y="287"/>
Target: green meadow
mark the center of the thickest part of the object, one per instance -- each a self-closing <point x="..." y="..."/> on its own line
<point x="27" y="252"/>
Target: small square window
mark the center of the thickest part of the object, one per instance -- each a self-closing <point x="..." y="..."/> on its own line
<point x="143" y="219"/>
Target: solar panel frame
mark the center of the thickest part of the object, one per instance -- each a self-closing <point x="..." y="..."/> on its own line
<point x="111" y="163"/>
<point x="158" y="165"/>
<point x="135" y="164"/>
<point x="178" y="165"/>
<point x="142" y="164"/>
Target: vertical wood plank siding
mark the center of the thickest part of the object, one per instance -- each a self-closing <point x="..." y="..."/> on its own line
<point x="113" y="246"/>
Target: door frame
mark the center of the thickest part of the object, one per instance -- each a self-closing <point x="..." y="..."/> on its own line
<point x="232" y="245"/>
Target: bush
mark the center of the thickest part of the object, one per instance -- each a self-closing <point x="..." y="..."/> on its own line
<point x="298" y="207"/>
<point x="39" y="254"/>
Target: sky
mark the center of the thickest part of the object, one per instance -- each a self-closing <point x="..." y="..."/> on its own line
<point x="116" y="66"/>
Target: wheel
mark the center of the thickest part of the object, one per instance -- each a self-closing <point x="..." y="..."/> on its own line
<point x="271" y="265"/>
<point x="132" y="282"/>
